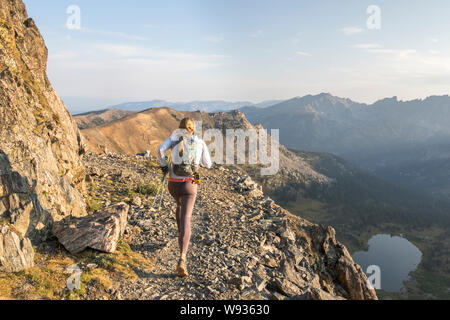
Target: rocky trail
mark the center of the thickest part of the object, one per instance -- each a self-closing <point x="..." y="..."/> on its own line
<point x="243" y="245"/>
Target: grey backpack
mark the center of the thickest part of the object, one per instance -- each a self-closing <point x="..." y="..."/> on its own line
<point x="186" y="167"/>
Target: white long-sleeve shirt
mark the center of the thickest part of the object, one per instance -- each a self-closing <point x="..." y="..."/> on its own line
<point x="202" y="156"/>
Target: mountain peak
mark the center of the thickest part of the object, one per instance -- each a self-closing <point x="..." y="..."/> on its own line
<point x="393" y="99"/>
<point x="323" y="96"/>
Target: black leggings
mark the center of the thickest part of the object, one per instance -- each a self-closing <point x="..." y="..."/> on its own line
<point x="185" y="194"/>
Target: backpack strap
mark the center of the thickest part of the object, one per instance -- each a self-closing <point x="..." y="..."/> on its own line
<point x="174" y="144"/>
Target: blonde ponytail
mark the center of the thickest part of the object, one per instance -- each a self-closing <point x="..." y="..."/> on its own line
<point x="189" y="125"/>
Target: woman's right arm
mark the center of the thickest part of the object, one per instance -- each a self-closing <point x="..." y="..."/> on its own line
<point x="166" y="145"/>
<point x="206" y="157"/>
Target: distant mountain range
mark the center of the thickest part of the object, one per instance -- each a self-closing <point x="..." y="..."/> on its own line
<point x="318" y="176"/>
<point x="404" y="142"/>
<point x="390" y="138"/>
<point x="206" y="106"/>
<point x="341" y="126"/>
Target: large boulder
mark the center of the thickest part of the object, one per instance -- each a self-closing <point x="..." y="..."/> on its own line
<point x="15" y="254"/>
<point x="100" y="231"/>
<point x="41" y="175"/>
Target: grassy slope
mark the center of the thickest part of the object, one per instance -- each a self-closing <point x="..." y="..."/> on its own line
<point x="47" y="280"/>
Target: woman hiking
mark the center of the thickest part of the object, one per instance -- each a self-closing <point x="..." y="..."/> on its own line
<point x="188" y="152"/>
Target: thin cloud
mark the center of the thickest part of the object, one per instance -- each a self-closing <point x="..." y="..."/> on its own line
<point x="304" y="54"/>
<point x="434" y="40"/>
<point x="367" y="46"/>
<point x="378" y="49"/>
<point x="64" y="55"/>
<point x="408" y="66"/>
<point x="352" y="30"/>
<point x="122" y="55"/>
<point x="399" y="53"/>
<point x="122" y="51"/>
<point x="137" y="52"/>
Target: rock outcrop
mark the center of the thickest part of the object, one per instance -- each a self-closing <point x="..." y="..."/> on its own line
<point x="100" y="231"/>
<point x="248" y="187"/>
<point x="347" y="271"/>
<point x="41" y="174"/>
<point x="15" y="254"/>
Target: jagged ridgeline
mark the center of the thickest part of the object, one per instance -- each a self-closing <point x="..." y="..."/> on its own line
<point x="41" y="174"/>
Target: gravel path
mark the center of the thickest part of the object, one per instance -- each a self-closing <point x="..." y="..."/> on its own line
<point x="243" y="245"/>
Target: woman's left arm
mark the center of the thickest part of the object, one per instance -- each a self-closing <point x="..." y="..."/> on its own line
<point x="166" y="145"/>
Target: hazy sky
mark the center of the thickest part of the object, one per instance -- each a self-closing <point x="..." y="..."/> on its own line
<point x="253" y="50"/>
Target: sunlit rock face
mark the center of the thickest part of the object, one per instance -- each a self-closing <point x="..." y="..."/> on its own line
<point x="41" y="175"/>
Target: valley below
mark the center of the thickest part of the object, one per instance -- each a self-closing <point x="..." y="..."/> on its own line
<point x="430" y="280"/>
<point x="399" y="184"/>
<point x="362" y="206"/>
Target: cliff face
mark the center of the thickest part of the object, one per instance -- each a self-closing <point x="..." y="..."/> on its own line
<point x="41" y="174"/>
